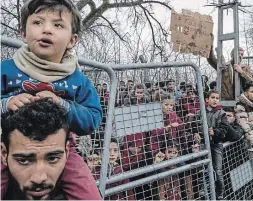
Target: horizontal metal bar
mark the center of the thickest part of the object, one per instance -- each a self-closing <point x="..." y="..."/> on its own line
<point x="226" y="103"/>
<point x="155" y="177"/>
<point x="154" y="167"/>
<point x="12" y="42"/>
<point x="226" y="144"/>
<point x="228" y="36"/>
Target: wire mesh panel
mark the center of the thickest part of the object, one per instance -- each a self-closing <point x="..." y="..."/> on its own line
<point x="183" y="185"/>
<point x="238" y="171"/>
<point x="153" y="116"/>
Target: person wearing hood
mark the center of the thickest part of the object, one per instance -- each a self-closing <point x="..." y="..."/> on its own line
<point x="244" y="113"/>
<point x="135" y="155"/>
<point x="217" y="129"/>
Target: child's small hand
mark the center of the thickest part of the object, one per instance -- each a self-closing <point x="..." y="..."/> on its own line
<point x="159" y="157"/>
<point x="175" y="124"/>
<point x="190" y="115"/>
<point x="20" y="100"/>
<point x="49" y="94"/>
<point x="210" y="131"/>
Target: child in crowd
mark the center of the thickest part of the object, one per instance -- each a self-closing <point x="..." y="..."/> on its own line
<point x="47" y="68"/>
<point x="217" y="130"/>
<point x="138" y="96"/>
<point x="188" y="105"/>
<point x="171" y="187"/>
<point x="235" y="132"/>
<point x="135" y="155"/>
<point x="173" y="126"/>
<point x="113" y="169"/>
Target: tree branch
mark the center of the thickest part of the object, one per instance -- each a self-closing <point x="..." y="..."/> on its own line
<point x="10" y="27"/>
<point x="4" y="9"/>
<point x="152" y="29"/>
<point x="113" y="29"/>
<point x="82" y="3"/>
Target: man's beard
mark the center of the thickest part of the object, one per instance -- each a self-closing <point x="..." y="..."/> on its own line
<point x="22" y="195"/>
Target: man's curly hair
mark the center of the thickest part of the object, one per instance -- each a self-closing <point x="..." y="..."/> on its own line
<point x="36" y="121"/>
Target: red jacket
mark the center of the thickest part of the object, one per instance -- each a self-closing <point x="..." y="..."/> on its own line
<point x="173" y="133"/>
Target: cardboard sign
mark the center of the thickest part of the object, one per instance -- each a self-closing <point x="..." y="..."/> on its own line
<point x="191" y="32"/>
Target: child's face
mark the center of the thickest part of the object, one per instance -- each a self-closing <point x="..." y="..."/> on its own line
<point x="114" y="152"/>
<point x="191" y="95"/>
<point x="213" y="100"/>
<point x="171" y="86"/>
<point x="230" y="117"/>
<point x="168" y="106"/>
<point x="195" y="148"/>
<point x="139" y="93"/>
<point x="249" y="94"/>
<point x="134" y="150"/>
<point x="171" y="152"/>
<point x="92" y="161"/>
<point x="49" y="35"/>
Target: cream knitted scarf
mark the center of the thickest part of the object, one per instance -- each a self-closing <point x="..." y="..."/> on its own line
<point x="43" y="70"/>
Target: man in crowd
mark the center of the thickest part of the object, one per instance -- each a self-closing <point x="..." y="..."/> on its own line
<point x="227" y="74"/>
<point x="35" y="149"/>
<point x="172" y="91"/>
<point x="244" y="113"/>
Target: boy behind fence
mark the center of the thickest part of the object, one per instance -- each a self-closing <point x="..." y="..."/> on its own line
<point x="217" y="129"/>
<point x="46" y="67"/>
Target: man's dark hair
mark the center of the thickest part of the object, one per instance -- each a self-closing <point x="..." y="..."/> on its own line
<point x="114" y="140"/>
<point x="148" y="85"/>
<point x="170" y="80"/>
<point x="139" y="86"/>
<point x="212" y="85"/>
<point x="228" y="109"/>
<point x="248" y="85"/>
<point x="104" y="84"/>
<point x="36" y="121"/>
<point x="182" y="86"/>
<point x="122" y="82"/>
<point x="173" y="143"/>
<point x="209" y="93"/>
<point x="35" y="6"/>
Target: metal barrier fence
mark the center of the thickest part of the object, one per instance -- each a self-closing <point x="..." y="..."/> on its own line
<point x="152" y="153"/>
<point x="143" y="168"/>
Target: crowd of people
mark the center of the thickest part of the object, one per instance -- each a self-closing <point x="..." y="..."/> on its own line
<point x="182" y="132"/>
<point x="46" y="101"/>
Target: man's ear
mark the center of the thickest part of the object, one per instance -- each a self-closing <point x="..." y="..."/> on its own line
<point x="73" y="41"/>
<point x="67" y="149"/>
<point x="3" y="154"/>
<point x="23" y="34"/>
